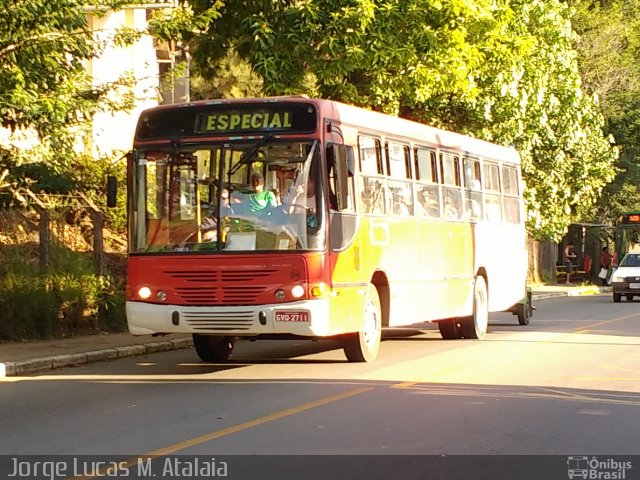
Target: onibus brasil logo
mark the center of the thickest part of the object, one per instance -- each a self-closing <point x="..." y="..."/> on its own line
<point x="595" y="468"/>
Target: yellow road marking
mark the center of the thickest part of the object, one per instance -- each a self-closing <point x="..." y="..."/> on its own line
<point x="604" y="322"/>
<point x="258" y="421"/>
<point x="615" y="367"/>
<point x="234" y="429"/>
<point x="635" y="379"/>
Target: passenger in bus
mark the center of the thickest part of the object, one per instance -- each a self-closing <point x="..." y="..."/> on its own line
<point x="451" y="206"/>
<point x="426" y="206"/>
<point x="450" y="212"/>
<point x="373" y="196"/>
<point x="302" y="199"/>
<point x="260" y="199"/>
<point x="403" y="204"/>
<point x="209" y="226"/>
<point x="225" y="203"/>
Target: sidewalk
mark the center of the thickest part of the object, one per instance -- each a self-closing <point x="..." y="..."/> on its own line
<point x="42" y="355"/>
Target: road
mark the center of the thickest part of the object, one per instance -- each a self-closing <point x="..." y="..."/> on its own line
<point x="567" y="384"/>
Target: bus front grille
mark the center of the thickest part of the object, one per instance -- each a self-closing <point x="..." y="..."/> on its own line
<point x="221" y="286"/>
<point x="221" y="295"/>
<point x="218" y="321"/>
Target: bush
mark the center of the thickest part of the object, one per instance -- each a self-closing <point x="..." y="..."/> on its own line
<point x="59" y="305"/>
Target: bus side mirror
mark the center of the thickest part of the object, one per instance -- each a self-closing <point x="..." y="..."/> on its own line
<point x="112" y="191"/>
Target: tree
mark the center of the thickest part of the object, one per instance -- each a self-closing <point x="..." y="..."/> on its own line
<point x="45" y="89"/>
<point x="504" y="71"/>
<point x="608" y="47"/>
<point x="531" y="96"/>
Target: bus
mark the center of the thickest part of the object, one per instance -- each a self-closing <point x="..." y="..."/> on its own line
<point x="399" y="224"/>
<point x="627" y="234"/>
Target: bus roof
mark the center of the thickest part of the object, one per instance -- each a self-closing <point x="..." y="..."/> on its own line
<point x="367" y="120"/>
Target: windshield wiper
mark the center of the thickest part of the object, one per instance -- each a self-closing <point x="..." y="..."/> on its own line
<point x="247" y="157"/>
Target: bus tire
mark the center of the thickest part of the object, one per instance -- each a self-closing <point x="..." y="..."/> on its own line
<point x="617" y="297"/>
<point x="213" y="348"/>
<point x="629" y="297"/>
<point x="475" y="326"/>
<point x="523" y="312"/>
<point x="450" y="329"/>
<point x="363" y="346"/>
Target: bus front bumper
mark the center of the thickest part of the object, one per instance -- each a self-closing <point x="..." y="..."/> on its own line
<point x="308" y="318"/>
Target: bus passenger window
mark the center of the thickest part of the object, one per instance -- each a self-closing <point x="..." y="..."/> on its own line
<point x="472" y="174"/>
<point x="511" y="210"/>
<point x="493" y="209"/>
<point x="401" y="198"/>
<point x="373" y="196"/>
<point x="370" y="155"/>
<point x="398" y="164"/>
<point x="426" y="165"/>
<point x="452" y="204"/>
<point x="473" y="202"/>
<point x="427" y="201"/>
<point x="450" y="165"/>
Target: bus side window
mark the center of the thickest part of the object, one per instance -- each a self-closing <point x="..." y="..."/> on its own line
<point x="492" y="198"/>
<point x="370" y="155"/>
<point x="399" y="167"/>
<point x="473" y="188"/>
<point x="510" y="192"/>
<point x="452" y="193"/>
<point x="374" y="199"/>
<point x="427" y="190"/>
<point x="373" y="196"/>
<point x="427" y="201"/>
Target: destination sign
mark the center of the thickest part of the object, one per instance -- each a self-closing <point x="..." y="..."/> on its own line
<point x="237" y="119"/>
<point x="631" y="218"/>
<point x="225" y="122"/>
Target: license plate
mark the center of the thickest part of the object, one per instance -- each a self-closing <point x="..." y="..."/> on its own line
<point x="634" y="285"/>
<point x="294" y="317"/>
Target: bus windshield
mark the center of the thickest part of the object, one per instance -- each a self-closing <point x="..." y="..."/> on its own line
<point x="261" y="195"/>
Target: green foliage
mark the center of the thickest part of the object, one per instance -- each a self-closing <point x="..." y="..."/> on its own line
<point x="58" y="305"/>
<point x="233" y="78"/>
<point x="609" y="46"/>
<point x="43" y="80"/>
<point x="64" y="300"/>
<point x="47" y="94"/>
<point x="504" y="71"/>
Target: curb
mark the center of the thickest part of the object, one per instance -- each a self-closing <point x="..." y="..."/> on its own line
<point x="543" y="296"/>
<point x="588" y="290"/>
<point x="38" y="365"/>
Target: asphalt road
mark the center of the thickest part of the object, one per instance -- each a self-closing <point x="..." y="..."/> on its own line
<point x="567" y="384"/>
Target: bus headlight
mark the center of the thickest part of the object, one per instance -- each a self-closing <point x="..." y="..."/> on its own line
<point x="297" y="291"/>
<point x="161" y="295"/>
<point x="319" y="290"/>
<point x="144" y="293"/>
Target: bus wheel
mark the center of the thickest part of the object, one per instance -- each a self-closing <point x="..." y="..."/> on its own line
<point x="363" y="346"/>
<point x="617" y="297"/>
<point x="213" y="348"/>
<point x="629" y="297"/>
<point x="523" y="311"/>
<point x="450" y="329"/>
<point x="475" y="326"/>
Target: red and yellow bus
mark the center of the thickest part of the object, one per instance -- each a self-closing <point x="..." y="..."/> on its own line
<point x="291" y="217"/>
